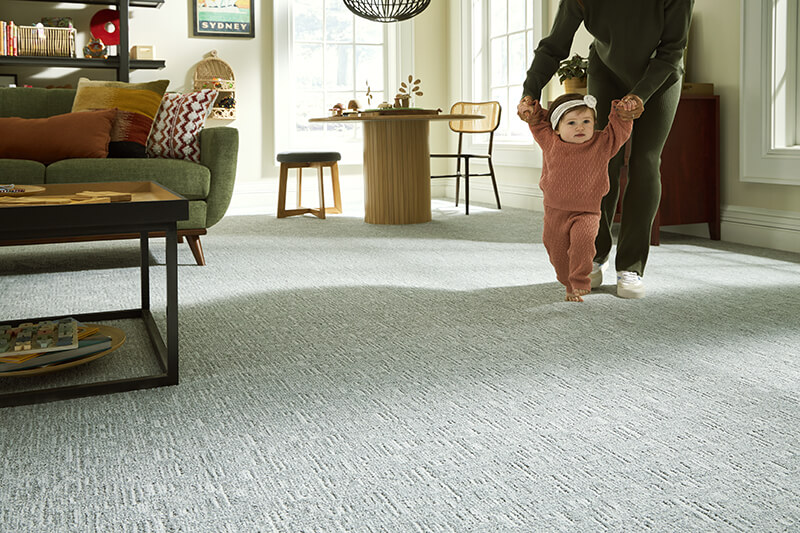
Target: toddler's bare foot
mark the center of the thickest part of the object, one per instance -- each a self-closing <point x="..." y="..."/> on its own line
<point x="575" y="295"/>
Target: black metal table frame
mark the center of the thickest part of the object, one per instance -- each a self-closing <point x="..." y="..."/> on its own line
<point x="166" y="354"/>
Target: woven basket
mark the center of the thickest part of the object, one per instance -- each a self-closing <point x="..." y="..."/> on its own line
<point x="46" y="42"/>
<point x="214" y="73"/>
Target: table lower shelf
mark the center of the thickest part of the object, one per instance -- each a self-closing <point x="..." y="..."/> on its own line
<point x="165" y="371"/>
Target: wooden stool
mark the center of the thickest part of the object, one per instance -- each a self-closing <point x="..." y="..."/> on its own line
<point x="301" y="160"/>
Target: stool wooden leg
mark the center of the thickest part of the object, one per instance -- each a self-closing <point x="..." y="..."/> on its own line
<point x="284" y="175"/>
<point x="337" y="196"/>
<point x="299" y="186"/>
<point x="321" y="212"/>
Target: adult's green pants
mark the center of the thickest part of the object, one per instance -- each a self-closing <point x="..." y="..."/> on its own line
<point x="643" y="189"/>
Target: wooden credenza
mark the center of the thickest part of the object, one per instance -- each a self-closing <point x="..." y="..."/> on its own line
<point x="690" y="168"/>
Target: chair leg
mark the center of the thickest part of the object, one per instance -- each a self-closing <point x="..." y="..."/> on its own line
<point x="337" y="195"/>
<point x="494" y="183"/>
<point x="458" y="178"/>
<point x="466" y="185"/>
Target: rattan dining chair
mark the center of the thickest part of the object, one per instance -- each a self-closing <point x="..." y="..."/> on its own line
<point x="491" y="112"/>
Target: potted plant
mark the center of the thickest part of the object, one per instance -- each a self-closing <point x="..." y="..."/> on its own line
<point x="572" y="73"/>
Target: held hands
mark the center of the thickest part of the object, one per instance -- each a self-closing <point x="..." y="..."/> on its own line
<point x="630" y="107"/>
<point x="527" y="112"/>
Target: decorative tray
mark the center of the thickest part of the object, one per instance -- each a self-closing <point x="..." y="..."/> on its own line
<point x="19" y="190"/>
<point x="113" y="338"/>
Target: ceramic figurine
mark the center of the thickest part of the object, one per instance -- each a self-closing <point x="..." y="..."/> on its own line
<point x="95" y="49"/>
<point x="336" y="110"/>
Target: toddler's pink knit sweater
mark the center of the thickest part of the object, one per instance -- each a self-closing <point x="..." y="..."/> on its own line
<point x="575" y="176"/>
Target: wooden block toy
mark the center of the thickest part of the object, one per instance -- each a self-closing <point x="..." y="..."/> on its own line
<point x="111" y="195"/>
<point x="29" y="340"/>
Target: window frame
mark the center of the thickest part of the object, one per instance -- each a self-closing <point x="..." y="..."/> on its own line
<point x="398" y="57"/>
<point x="521" y="152"/>
<point x="769" y="115"/>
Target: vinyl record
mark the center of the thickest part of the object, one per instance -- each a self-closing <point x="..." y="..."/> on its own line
<point x="98" y="26"/>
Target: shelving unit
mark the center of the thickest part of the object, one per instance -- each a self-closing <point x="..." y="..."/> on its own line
<point x="122" y="62"/>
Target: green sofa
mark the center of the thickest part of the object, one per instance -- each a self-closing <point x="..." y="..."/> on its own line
<point x="207" y="185"/>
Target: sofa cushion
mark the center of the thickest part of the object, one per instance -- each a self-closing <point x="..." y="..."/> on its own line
<point x="136" y="104"/>
<point x="21" y="171"/>
<point x="58" y="137"/>
<point x="191" y="180"/>
<point x="178" y="123"/>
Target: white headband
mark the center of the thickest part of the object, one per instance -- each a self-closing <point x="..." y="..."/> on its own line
<point x="588" y="100"/>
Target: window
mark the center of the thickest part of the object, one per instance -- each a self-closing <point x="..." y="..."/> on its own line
<point x="770" y="87"/>
<point x="501" y="36"/>
<point x="326" y="55"/>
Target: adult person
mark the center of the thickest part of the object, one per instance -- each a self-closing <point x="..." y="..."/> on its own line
<point x="636" y="56"/>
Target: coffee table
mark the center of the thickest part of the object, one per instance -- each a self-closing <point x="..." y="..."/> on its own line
<point x="152" y="208"/>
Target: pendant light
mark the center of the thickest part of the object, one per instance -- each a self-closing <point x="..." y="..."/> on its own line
<point x="387" y="10"/>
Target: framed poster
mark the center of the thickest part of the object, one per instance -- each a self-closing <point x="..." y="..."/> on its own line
<point x="224" y="18"/>
<point x="8" y="80"/>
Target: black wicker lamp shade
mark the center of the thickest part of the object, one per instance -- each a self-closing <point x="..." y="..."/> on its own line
<point x="387" y="10"/>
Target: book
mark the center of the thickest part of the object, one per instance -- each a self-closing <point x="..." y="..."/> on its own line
<point x="88" y="346"/>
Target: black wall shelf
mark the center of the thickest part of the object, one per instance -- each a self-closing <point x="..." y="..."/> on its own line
<point x="122" y="62"/>
<point x="81" y="62"/>
<point x="132" y="3"/>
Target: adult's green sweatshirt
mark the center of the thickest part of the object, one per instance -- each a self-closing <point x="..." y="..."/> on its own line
<point x="640" y="41"/>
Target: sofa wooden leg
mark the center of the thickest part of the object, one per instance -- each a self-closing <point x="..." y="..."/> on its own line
<point x="197" y="249"/>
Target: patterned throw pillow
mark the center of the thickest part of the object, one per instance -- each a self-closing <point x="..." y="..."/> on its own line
<point x="178" y="123"/>
<point x="136" y="104"/>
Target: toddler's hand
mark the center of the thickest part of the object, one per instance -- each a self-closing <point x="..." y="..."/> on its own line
<point x="525" y="109"/>
<point x="630" y="107"/>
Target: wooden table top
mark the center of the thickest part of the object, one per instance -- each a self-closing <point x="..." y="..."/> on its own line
<point x="395" y="116"/>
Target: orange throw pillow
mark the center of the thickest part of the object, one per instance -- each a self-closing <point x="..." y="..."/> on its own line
<point x="58" y="137"/>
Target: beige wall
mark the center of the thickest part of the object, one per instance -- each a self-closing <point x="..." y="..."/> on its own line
<point x="714" y="57"/>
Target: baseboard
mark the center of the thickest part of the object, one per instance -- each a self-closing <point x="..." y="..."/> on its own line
<point x="258" y="197"/>
<point x="518" y="196"/>
<point x="768" y="228"/>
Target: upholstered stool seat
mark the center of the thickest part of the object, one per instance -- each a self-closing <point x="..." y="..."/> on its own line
<point x="308" y="157"/>
<point x="301" y="160"/>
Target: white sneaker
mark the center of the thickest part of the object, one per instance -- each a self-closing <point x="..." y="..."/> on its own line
<point x="596" y="276"/>
<point x="629" y="285"/>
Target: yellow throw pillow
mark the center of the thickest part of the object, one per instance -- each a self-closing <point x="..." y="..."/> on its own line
<point x="136" y="104"/>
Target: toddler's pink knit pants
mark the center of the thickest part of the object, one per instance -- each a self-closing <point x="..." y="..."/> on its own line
<point x="569" y="239"/>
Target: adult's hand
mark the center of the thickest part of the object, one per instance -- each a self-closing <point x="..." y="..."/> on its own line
<point x="525" y="109"/>
<point x="631" y="107"/>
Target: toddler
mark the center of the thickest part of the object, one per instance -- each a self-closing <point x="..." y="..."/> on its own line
<point x="574" y="181"/>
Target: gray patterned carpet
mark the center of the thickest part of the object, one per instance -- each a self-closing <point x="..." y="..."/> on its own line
<point x="343" y="377"/>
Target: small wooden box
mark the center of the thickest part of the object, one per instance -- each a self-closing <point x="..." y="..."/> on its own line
<point x="706" y="89"/>
<point x="143" y="52"/>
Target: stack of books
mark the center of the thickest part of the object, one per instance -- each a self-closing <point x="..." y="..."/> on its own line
<point x="36" y="345"/>
<point x="9" y="38"/>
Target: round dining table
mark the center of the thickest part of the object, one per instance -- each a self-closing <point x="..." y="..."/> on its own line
<point x="397" y="167"/>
